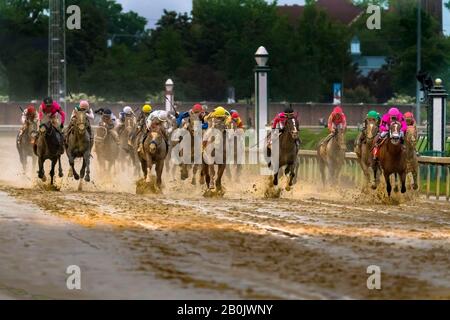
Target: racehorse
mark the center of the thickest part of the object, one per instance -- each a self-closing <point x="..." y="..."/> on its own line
<point x="215" y="136"/>
<point x="288" y="152"/>
<point x="127" y="152"/>
<point x="364" y="154"/>
<point x="331" y="154"/>
<point x="25" y="147"/>
<point x="79" y="146"/>
<point x="106" y="147"/>
<point x="392" y="157"/>
<point x="154" y="152"/>
<point x="190" y="126"/>
<point x="49" y="146"/>
<point x="412" y="163"/>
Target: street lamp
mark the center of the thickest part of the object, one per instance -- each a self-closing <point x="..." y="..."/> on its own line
<point x="169" y="94"/>
<point x="261" y="93"/>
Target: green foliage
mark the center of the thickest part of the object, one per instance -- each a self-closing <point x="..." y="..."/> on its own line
<point x="358" y="95"/>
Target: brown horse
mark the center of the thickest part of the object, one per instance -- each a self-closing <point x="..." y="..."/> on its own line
<point x="154" y="153"/>
<point x="412" y="163"/>
<point x="364" y="153"/>
<point x="25" y="147"/>
<point x="79" y="146"/>
<point x="216" y="137"/>
<point x="331" y="154"/>
<point x="288" y="152"/>
<point x="106" y="146"/>
<point x="392" y="157"/>
<point x="189" y="125"/>
<point x="49" y="146"/>
<point x="127" y="151"/>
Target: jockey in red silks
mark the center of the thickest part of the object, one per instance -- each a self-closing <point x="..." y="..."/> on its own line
<point x="279" y="122"/>
<point x="409" y="118"/>
<point x="48" y="111"/>
<point x="337" y="119"/>
<point x="393" y="115"/>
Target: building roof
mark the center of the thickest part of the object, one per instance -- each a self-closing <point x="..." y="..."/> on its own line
<point x="343" y="11"/>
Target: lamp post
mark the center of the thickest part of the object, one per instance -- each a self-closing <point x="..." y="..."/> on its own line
<point x="437" y="117"/>
<point x="169" y="95"/>
<point x="261" y="92"/>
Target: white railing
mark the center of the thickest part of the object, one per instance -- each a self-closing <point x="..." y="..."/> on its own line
<point x="309" y="171"/>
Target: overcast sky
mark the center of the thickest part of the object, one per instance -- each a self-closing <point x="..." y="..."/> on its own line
<point x="153" y="9"/>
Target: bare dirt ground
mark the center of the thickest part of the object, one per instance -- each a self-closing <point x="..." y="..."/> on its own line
<point x="311" y="243"/>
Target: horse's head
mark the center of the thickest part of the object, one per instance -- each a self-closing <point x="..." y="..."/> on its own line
<point x="219" y="124"/>
<point x="411" y="135"/>
<point x="156" y="140"/>
<point x="395" y="132"/>
<point x="292" y="127"/>
<point x="80" y="121"/>
<point x="129" y="123"/>
<point x="371" y="129"/>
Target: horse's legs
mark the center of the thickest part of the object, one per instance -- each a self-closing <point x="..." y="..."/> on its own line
<point x="322" y="170"/>
<point x="87" y="166"/>
<point x="396" y="183"/>
<point x="184" y="172"/>
<point x="388" y="183"/>
<point x="149" y="169"/>
<point x="415" y="184"/>
<point x="41" y="172"/>
<point x="159" y="170"/>
<point x="33" y="162"/>
<point x="144" y="168"/>
<point x="275" y="178"/>
<point x="205" y="171"/>
<point x="291" y="175"/>
<point x="194" y="174"/>
<point x="76" y="176"/>
<point x="403" y="179"/>
<point x="60" y="170"/>
<point x="212" y="176"/>
<point x="52" y="171"/>
<point x="220" y="172"/>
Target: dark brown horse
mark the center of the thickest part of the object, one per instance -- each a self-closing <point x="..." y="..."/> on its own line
<point x="364" y="154"/>
<point x="331" y="154"/>
<point x="49" y="146"/>
<point x="192" y="125"/>
<point x="25" y="147"/>
<point x="412" y="162"/>
<point x="215" y="140"/>
<point x="79" y="146"/>
<point x="106" y="147"/>
<point x="154" y="153"/>
<point x="287" y="153"/>
<point x="392" y="157"/>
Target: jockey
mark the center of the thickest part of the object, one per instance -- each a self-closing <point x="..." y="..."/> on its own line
<point x="235" y="120"/>
<point x="337" y="119"/>
<point x="196" y="110"/>
<point x="393" y="115"/>
<point x="85" y="107"/>
<point x="48" y="111"/>
<point x="110" y="121"/>
<point x="29" y="115"/>
<point x="409" y="118"/>
<point x="218" y="113"/>
<point x="279" y="122"/>
<point x="372" y="115"/>
<point x="141" y="120"/>
<point x="159" y="119"/>
<point x="127" y="112"/>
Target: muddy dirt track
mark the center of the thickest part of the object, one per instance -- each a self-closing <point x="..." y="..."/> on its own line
<point x="311" y="243"/>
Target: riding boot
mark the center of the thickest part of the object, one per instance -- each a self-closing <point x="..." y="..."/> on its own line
<point x="376" y="147"/>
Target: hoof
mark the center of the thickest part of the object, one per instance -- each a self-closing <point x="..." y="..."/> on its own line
<point x="403" y="190"/>
<point x="60" y="174"/>
<point x="288" y="188"/>
<point x="43" y="178"/>
<point x="373" y="186"/>
<point x="87" y="178"/>
<point x="193" y="182"/>
<point x="76" y="176"/>
<point x="416" y="186"/>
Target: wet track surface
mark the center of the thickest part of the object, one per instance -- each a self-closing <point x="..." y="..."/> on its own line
<point x="310" y="243"/>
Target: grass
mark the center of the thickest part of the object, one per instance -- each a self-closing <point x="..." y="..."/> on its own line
<point x="311" y="139"/>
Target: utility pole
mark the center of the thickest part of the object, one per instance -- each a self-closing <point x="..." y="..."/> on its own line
<point x="57" y="52"/>
<point x="419" y="57"/>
